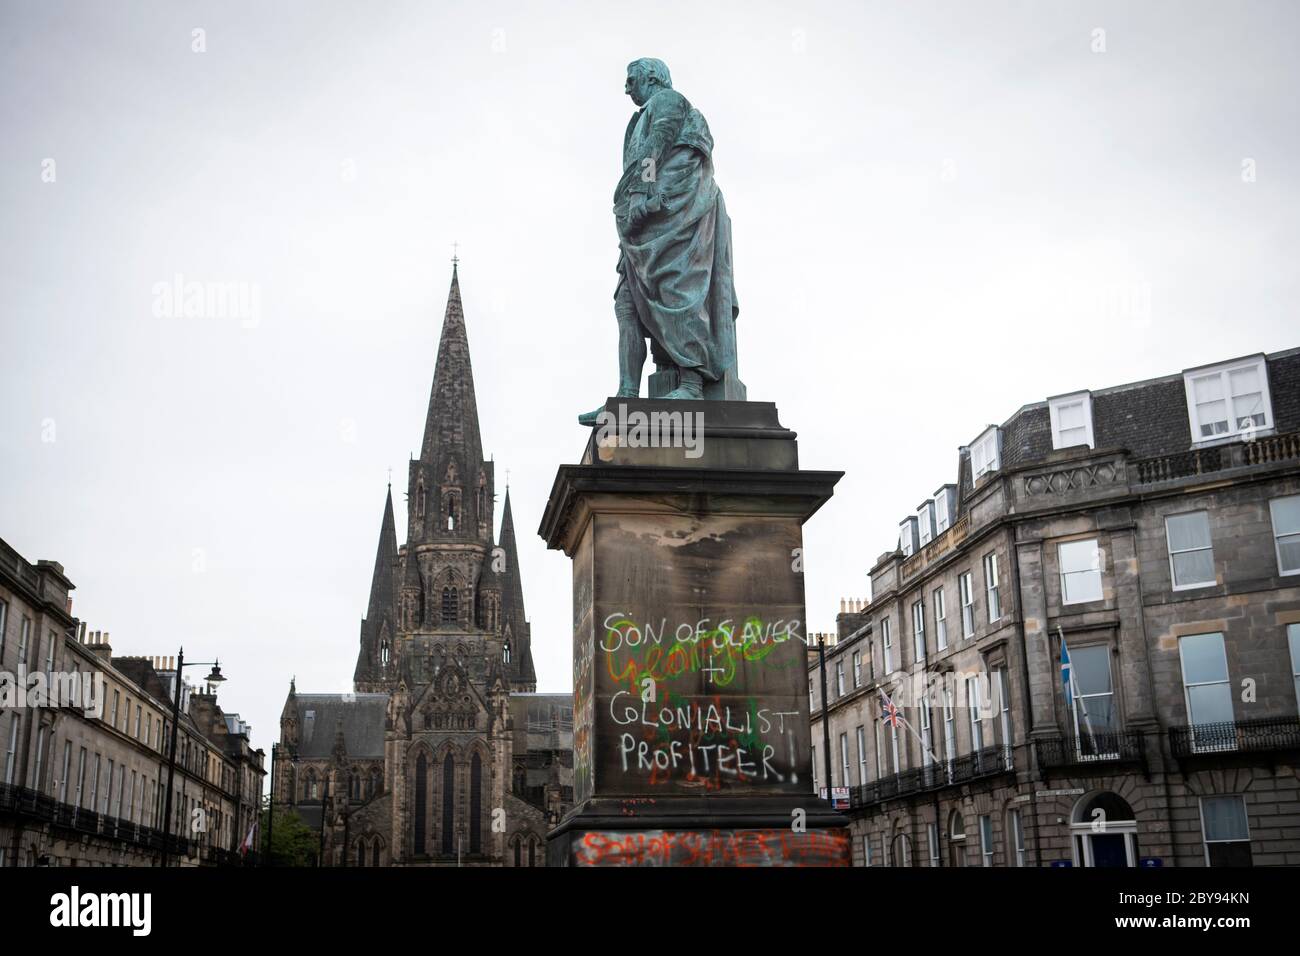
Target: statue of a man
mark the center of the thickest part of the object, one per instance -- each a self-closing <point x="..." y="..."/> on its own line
<point x="674" y="269"/>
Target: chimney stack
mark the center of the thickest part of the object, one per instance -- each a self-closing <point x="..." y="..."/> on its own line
<point x="100" y="647"/>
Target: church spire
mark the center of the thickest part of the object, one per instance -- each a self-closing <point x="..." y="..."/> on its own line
<point x="512" y="589"/>
<point x="381" y="582"/>
<point x="513" y="618"/>
<point x="381" y="608"/>
<point x="451" y="427"/>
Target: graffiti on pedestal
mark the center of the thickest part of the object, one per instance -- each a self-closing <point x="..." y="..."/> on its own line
<point x="700" y="706"/>
<point x="758" y="847"/>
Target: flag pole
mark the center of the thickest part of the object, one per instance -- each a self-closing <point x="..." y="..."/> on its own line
<point x="908" y="724"/>
<point x="1074" y="690"/>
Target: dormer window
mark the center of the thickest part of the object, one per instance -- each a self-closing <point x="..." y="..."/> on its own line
<point x="986" y="452"/>
<point x="907" y="537"/>
<point x="1071" y="420"/>
<point x="1228" y="400"/>
<point x="945" y="504"/>
<point x="925" y="522"/>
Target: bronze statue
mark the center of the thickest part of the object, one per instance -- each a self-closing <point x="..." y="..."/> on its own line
<point x="675" y="283"/>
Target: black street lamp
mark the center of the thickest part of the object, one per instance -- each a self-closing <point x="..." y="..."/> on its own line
<point x="213" y="678"/>
<point x="826" y="717"/>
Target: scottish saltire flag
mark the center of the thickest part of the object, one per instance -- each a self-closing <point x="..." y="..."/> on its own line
<point x="1067" y="677"/>
<point x="889" y="712"/>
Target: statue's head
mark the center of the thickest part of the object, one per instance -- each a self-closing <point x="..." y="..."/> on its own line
<point x="645" y="77"/>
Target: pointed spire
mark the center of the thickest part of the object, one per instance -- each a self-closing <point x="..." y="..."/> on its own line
<point x="382" y="607"/>
<point x="512" y="589"/>
<point x="451" y="427"/>
<point x="382" y="593"/>
<point x="513" y="619"/>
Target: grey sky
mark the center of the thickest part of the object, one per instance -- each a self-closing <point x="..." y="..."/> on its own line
<point x="941" y="212"/>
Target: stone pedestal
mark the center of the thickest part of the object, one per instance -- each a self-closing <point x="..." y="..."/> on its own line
<point x="691" y="732"/>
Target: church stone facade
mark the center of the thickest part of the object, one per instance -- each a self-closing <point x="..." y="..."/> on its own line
<point x="445" y="754"/>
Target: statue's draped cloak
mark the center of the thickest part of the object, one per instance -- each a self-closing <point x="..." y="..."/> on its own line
<point x="676" y="262"/>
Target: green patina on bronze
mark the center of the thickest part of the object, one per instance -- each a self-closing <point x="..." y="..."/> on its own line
<point x="675" y="285"/>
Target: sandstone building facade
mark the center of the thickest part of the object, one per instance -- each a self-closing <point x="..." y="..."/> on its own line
<point x="445" y="754"/>
<point x="1154" y="530"/>
<point x="83" y="774"/>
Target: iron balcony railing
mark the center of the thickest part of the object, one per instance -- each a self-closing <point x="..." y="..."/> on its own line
<point x="44" y="808"/>
<point x="1069" y="751"/>
<point x="933" y="776"/>
<point x="1264" y="735"/>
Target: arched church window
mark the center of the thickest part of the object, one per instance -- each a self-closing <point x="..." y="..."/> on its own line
<point x="383" y="651"/>
<point x="450" y="606"/>
<point x="419" y="497"/>
<point x="374" y="853"/>
<point x="532" y="851"/>
<point x="361" y="853"/>
<point x="518" y="852"/>
<point x="376" y="781"/>
<point x="505" y="653"/>
<point x="448" y="806"/>
<point x="450" y="511"/>
<point x="476" y="804"/>
<point x="421" y="795"/>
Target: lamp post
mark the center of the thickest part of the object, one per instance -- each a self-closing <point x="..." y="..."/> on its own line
<point x="826" y="715"/>
<point x="213" y="678"/>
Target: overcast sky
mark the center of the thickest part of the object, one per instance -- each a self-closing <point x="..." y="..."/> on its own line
<point x="942" y="211"/>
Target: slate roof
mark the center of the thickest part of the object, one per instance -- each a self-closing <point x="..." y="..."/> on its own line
<point x="1147" y="418"/>
<point x="363" y="718"/>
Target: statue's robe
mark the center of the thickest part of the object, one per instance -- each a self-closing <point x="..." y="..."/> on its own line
<point x="676" y="263"/>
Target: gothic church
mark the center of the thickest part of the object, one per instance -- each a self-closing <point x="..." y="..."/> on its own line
<point x="445" y="754"/>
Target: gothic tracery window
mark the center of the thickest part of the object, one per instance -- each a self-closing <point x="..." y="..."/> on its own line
<point x="476" y="804"/>
<point x="421" y="774"/>
<point x="448" y="806"/>
<point x="450" y="605"/>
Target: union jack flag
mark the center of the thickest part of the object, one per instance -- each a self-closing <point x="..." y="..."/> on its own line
<point x="889" y="711"/>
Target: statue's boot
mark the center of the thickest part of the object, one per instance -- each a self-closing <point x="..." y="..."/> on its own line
<point x="689" y="385"/>
<point x="589" y="418"/>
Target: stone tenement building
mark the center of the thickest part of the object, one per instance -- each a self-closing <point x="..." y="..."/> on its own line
<point x="445" y="754"/>
<point x="1155" y="529"/>
<point x="83" y="776"/>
